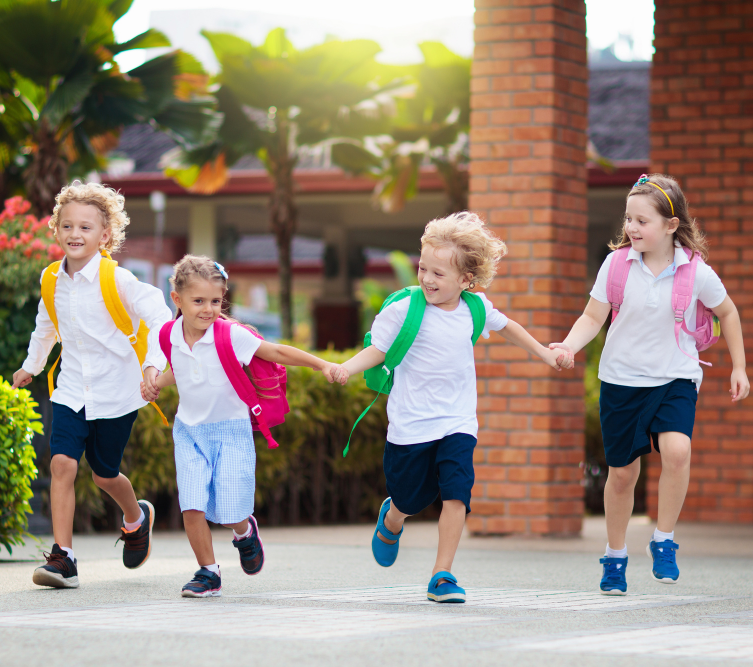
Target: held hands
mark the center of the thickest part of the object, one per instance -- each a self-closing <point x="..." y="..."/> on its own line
<point x="565" y="361"/>
<point x="150" y="388"/>
<point x="336" y="373"/>
<point x="21" y="378"/>
<point x="739" y="389"/>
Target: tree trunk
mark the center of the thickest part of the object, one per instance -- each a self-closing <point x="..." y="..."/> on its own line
<point x="283" y="218"/>
<point x="48" y="171"/>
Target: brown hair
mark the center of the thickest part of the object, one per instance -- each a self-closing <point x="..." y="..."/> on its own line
<point x="189" y="269"/>
<point x="477" y="249"/>
<point x="688" y="234"/>
<point x="110" y="203"/>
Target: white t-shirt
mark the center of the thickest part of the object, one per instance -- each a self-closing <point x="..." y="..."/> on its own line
<point x="434" y="391"/>
<point x="640" y="350"/>
<point x="206" y="395"/>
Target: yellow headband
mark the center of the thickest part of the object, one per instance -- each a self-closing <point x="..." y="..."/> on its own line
<point x="666" y="195"/>
<point x="644" y="179"/>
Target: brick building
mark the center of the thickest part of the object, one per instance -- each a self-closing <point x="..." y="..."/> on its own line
<point x="529" y="179"/>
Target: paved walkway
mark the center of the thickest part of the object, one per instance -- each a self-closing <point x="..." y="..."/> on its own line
<point x="530" y="602"/>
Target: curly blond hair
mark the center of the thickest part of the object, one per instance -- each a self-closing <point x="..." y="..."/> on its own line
<point x="477" y="249"/>
<point x="109" y="202"/>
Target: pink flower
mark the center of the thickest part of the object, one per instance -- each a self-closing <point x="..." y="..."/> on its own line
<point x="55" y="252"/>
<point x="16" y="206"/>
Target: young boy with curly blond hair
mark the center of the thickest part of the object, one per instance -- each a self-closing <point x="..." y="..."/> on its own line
<point x="98" y="393"/>
<point x="432" y="404"/>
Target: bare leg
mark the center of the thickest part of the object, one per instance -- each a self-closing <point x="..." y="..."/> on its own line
<point x="120" y="490"/>
<point x="674" y="479"/>
<point x="239" y="527"/>
<point x="618" y="501"/>
<point x="63" y="471"/>
<point x="451" y="523"/>
<point x="393" y="521"/>
<point x="199" y="536"/>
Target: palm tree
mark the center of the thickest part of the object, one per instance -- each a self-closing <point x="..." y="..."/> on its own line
<point x="430" y="124"/>
<point x="277" y="103"/>
<point x="64" y="100"/>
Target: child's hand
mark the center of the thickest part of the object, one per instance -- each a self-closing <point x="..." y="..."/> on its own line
<point x="150" y="380"/>
<point x="740" y="386"/>
<point x="21" y="378"/>
<point x="554" y="358"/>
<point x="148" y="394"/>
<point x="335" y="373"/>
<point x="567" y="360"/>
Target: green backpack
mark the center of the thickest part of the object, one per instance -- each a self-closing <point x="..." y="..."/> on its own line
<point x="381" y="378"/>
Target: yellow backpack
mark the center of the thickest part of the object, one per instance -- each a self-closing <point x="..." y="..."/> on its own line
<point x="114" y="306"/>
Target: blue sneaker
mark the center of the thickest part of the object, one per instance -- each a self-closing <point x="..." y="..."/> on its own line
<point x="613" y="581"/>
<point x="665" y="567"/>
<point x="205" y="584"/>
<point x="449" y="591"/>
<point x="385" y="554"/>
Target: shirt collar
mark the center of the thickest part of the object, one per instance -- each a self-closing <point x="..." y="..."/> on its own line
<point x="177" y="338"/>
<point x="680" y="256"/>
<point x="89" y="272"/>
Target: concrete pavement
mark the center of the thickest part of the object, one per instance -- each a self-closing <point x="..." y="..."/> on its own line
<point x="322" y="600"/>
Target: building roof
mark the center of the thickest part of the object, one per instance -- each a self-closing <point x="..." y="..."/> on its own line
<point x="618" y="109"/>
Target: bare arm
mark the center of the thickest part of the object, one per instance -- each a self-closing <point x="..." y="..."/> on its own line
<point x="165" y="379"/>
<point x="292" y="356"/>
<point x="587" y="325"/>
<point x="729" y="319"/>
<point x="365" y="359"/>
<point x="517" y="335"/>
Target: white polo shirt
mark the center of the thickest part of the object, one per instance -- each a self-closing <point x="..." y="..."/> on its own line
<point x="640" y="350"/>
<point x="206" y="395"/>
<point x="434" y="391"/>
<point x="99" y="369"/>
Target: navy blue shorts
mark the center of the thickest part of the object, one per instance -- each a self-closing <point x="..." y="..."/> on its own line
<point x="632" y="416"/>
<point x="417" y="474"/>
<point x="103" y="440"/>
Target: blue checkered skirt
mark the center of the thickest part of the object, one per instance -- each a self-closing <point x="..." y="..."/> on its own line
<point x="216" y="465"/>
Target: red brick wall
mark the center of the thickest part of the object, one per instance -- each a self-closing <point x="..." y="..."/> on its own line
<point x="702" y="133"/>
<point x="528" y="180"/>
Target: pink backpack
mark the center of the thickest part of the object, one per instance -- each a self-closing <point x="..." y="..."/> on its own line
<point x="707" y="330"/>
<point x="265" y="411"/>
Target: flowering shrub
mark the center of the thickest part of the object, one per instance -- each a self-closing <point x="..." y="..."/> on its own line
<point x="27" y="246"/>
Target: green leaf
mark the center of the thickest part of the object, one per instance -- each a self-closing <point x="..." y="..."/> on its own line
<point x="119" y="8"/>
<point x="226" y="45"/>
<point x="354" y="158"/>
<point x="277" y="45"/>
<point x="68" y="94"/>
<point x="149" y="39"/>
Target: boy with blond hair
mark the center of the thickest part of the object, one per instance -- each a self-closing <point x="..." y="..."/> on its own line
<point x="98" y="395"/>
<point x="432" y="403"/>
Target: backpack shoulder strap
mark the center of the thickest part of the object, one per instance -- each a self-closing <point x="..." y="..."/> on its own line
<point x="682" y="296"/>
<point x="49" y="282"/>
<point x="409" y="330"/>
<point x="238" y="378"/>
<point x="164" y="341"/>
<point x="112" y="299"/>
<point x="619" y="269"/>
<point x="478" y="313"/>
<point x="399" y="296"/>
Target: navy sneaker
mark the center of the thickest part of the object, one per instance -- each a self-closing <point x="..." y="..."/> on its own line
<point x="251" y="550"/>
<point x="613" y="581"/>
<point x="59" y="571"/>
<point x="665" y="567"/>
<point x="205" y="584"/>
<point x="137" y="544"/>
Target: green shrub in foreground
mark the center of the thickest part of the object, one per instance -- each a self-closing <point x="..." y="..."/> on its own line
<point x="18" y="424"/>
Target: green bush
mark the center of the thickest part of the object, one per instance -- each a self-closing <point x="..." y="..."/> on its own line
<point x="306" y="479"/>
<point x="18" y="423"/>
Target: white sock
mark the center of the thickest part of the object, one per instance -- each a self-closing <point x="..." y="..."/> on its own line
<point x="616" y="553"/>
<point x="133" y="526"/>
<point x="69" y="551"/>
<point x="661" y="537"/>
<point x="215" y="568"/>
<point x="243" y="536"/>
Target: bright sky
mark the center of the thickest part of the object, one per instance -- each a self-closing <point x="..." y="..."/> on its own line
<point x="608" y="21"/>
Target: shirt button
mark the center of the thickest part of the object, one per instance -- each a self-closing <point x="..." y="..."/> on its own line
<point x="87" y="388"/>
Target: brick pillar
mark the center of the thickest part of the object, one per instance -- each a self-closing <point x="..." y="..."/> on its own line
<point x="702" y="134"/>
<point x="528" y="180"/>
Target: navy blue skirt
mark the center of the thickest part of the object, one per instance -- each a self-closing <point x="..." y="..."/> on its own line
<point x="632" y="416"/>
